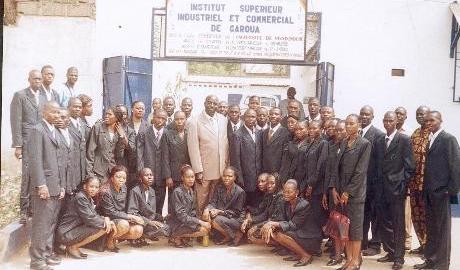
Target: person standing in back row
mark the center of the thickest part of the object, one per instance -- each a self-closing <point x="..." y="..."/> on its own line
<point x="68" y="89"/>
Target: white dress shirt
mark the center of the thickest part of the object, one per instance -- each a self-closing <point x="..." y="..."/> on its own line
<point x="251" y="132"/>
<point x="66" y="134"/>
<point x="364" y="130"/>
<point x="36" y="96"/>
<point x="434" y="136"/>
<point x="390" y="138"/>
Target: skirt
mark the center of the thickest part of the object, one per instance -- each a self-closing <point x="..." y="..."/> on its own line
<point x="76" y="235"/>
<point x="310" y="245"/>
<point x="355" y="212"/>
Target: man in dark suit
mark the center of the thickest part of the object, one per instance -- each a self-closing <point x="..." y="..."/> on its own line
<point x="245" y="156"/>
<point x="149" y="153"/>
<point x="274" y="139"/>
<point x="24" y="114"/>
<point x="169" y="105"/>
<point x="47" y="187"/>
<point x="234" y="120"/>
<point x="441" y="183"/>
<point x="314" y="106"/>
<point x="79" y="134"/>
<point x="47" y="79"/>
<point x="395" y="167"/>
<point x="293" y="110"/>
<point x="368" y="131"/>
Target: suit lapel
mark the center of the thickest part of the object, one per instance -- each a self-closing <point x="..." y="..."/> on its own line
<point x="393" y="144"/>
<point x="50" y="134"/>
<point x="31" y="98"/>
<point x="436" y="142"/>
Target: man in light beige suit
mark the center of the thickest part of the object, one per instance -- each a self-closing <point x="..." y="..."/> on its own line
<point x="208" y="149"/>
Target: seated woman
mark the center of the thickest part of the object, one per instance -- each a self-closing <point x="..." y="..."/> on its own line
<point x="298" y="232"/>
<point x="225" y="211"/>
<point x="273" y="203"/>
<point x="113" y="205"/>
<point x="80" y="223"/>
<point x="142" y="203"/>
<point x="260" y="207"/>
<point x="183" y="221"/>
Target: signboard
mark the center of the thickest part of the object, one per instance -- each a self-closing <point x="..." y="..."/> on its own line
<point x="253" y="30"/>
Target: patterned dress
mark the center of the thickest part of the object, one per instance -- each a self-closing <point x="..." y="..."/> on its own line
<point x="420" y="141"/>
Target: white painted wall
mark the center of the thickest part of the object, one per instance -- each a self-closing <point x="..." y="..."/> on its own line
<point x="366" y="39"/>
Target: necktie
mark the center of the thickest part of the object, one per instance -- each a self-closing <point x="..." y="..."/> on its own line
<point x="157" y="140"/>
<point x="270" y="134"/>
<point x="387" y="142"/>
<point x="234" y="128"/>
<point x="360" y="132"/>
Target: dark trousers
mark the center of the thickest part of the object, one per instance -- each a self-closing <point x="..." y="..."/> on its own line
<point x="24" y="199"/>
<point x="438" y="217"/>
<point x="392" y="226"/>
<point x="371" y="221"/>
<point x="43" y="228"/>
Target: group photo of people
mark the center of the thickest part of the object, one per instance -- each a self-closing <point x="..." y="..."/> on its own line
<point x="304" y="182"/>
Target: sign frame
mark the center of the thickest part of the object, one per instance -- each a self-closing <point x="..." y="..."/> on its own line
<point x="163" y="57"/>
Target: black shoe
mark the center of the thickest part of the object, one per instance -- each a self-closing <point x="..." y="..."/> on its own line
<point x="417" y="251"/>
<point x="291" y="259"/>
<point x="397" y="266"/>
<point x="55" y="257"/>
<point x="425" y="265"/>
<point x="303" y="263"/>
<point x="40" y="267"/>
<point x="371" y="252"/>
<point x="386" y="258"/>
<point x="334" y="261"/>
<point x="50" y="261"/>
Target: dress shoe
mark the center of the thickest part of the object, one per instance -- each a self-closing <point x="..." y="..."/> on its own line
<point x="50" y="261"/>
<point x="40" y="267"/>
<point x="425" y="265"/>
<point x="386" y="258"/>
<point x="335" y="261"/>
<point x="397" y="266"/>
<point x="371" y="252"/>
<point x="55" y="257"/>
<point x="303" y="263"/>
<point x="291" y="259"/>
<point x="417" y="251"/>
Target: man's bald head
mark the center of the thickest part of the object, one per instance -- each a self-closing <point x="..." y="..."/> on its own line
<point x="35" y="79"/>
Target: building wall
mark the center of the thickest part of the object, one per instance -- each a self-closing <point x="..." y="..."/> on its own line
<point x="366" y="39"/>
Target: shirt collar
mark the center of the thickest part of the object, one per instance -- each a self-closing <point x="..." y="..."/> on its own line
<point x="435" y="135"/>
<point x="36" y="93"/>
<point x="264" y="127"/>
<point x="251" y="131"/>
<point x="317" y="118"/>
<point x="237" y="124"/>
<point x="155" y="130"/>
<point x="392" y="135"/>
<point x="364" y="130"/>
<point x="275" y="128"/>
<point x="74" y="121"/>
<point x="50" y="127"/>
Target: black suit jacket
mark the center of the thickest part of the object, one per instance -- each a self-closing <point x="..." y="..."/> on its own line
<point x="395" y="165"/>
<point x="184" y="209"/>
<point x="43" y="167"/>
<point x="350" y="173"/>
<point x="79" y="211"/>
<point x="175" y="155"/>
<point x="79" y="155"/>
<point x="442" y="167"/>
<point x="272" y="150"/>
<point x="314" y="166"/>
<point x="246" y="157"/>
<point x="301" y="220"/>
<point x="292" y="161"/>
<point x="150" y="154"/>
<point x="24" y="115"/>
<point x="233" y="205"/>
<point x="372" y="135"/>
<point x="68" y="165"/>
<point x="139" y="206"/>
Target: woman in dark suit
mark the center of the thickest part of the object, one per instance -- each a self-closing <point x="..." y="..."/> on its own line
<point x="106" y="144"/>
<point x="271" y="210"/>
<point x="293" y="155"/>
<point x="183" y="221"/>
<point x="349" y="186"/>
<point x="81" y="224"/>
<point x="175" y="151"/>
<point x="298" y="231"/>
<point x="127" y="157"/>
<point x="112" y="204"/>
<point x="225" y="211"/>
